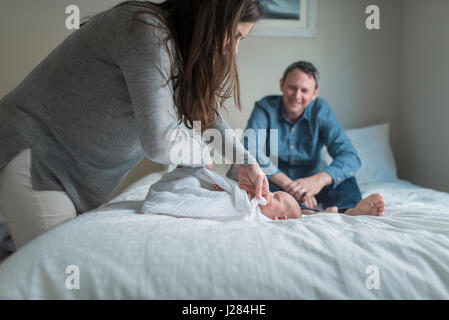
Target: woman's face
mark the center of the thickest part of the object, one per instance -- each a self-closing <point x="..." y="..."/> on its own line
<point x="243" y="28"/>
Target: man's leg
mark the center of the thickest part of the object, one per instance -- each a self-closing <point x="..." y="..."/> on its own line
<point x="274" y="187"/>
<point x="345" y="196"/>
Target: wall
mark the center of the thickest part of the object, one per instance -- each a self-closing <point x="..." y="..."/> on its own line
<point x="422" y="144"/>
<point x="366" y="76"/>
<point x="358" y="67"/>
<point x="29" y="31"/>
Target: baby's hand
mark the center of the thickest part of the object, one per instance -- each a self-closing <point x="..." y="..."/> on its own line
<point x="217" y="188"/>
<point x="310" y="202"/>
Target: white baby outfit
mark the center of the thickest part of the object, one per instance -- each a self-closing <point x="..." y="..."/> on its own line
<point x="188" y="193"/>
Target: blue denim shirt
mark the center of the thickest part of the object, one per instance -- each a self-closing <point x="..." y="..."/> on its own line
<point x="300" y="144"/>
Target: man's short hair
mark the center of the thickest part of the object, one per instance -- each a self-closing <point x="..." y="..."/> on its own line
<point x="305" y="67"/>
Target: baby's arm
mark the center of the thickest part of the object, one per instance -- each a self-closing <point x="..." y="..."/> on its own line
<point x="249" y="193"/>
<point x="217" y="188"/>
<point x="308" y="211"/>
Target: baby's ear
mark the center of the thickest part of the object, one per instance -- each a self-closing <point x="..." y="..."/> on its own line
<point x="283" y="217"/>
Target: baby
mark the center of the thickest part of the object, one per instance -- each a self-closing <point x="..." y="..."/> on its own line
<point x="373" y="205"/>
<point x="278" y="205"/>
<point x="281" y="205"/>
<point x="200" y="193"/>
<point x="285" y="206"/>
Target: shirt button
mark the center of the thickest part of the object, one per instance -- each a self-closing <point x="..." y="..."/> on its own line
<point x="339" y="179"/>
<point x="292" y="147"/>
<point x="293" y="129"/>
<point x="292" y="162"/>
<point x="352" y="173"/>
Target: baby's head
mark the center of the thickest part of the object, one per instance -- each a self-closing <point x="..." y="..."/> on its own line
<point x="280" y="206"/>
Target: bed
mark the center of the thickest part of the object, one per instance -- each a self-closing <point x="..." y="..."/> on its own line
<point x="114" y="252"/>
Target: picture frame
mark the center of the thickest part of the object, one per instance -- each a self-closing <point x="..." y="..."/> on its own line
<point x="282" y="22"/>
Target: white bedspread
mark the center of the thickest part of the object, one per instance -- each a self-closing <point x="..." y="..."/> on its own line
<point x="121" y="254"/>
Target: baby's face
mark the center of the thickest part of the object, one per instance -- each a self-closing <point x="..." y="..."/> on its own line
<point x="280" y="206"/>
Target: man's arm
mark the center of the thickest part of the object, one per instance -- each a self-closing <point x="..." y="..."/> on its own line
<point x="259" y="119"/>
<point x="346" y="161"/>
<point x="281" y="180"/>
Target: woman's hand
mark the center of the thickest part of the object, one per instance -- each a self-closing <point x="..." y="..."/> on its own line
<point x="253" y="179"/>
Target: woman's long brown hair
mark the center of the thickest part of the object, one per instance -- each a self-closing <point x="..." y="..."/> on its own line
<point x="203" y="33"/>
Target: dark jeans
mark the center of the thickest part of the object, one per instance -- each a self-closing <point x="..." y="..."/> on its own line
<point x="345" y="196"/>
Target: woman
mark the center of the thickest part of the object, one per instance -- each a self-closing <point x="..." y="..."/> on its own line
<point x="116" y="89"/>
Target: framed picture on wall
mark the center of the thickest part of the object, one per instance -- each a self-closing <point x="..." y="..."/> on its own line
<point x="287" y="18"/>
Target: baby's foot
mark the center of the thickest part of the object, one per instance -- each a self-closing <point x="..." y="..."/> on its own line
<point x="331" y="210"/>
<point x="372" y="205"/>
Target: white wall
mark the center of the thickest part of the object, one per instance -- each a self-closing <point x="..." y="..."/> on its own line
<point x="358" y="67"/>
<point x="366" y="76"/>
<point x="423" y="127"/>
<point x="29" y="31"/>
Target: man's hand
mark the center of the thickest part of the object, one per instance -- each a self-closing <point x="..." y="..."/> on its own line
<point x="310" y="202"/>
<point x="305" y="189"/>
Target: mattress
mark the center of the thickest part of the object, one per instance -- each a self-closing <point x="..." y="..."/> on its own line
<point x="115" y="253"/>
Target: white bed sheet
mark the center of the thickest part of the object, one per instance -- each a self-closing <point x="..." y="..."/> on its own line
<point x="124" y="255"/>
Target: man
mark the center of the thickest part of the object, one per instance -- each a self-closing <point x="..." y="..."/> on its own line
<point x="305" y="124"/>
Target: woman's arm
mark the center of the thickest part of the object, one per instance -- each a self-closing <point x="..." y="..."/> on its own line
<point x="146" y="70"/>
<point x="229" y="141"/>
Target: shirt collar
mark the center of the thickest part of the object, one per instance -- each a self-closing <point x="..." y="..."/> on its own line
<point x="305" y="115"/>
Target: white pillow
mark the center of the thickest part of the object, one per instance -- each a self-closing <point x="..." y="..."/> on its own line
<point x="373" y="146"/>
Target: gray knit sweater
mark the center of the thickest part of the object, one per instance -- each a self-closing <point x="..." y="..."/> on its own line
<point x="94" y="108"/>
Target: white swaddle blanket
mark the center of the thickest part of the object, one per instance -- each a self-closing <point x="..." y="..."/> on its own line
<point x="188" y="193"/>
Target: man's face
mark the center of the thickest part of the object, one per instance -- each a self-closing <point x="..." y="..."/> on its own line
<point x="298" y="90"/>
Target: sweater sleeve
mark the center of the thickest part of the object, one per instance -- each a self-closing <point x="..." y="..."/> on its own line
<point x="232" y="149"/>
<point x="146" y="69"/>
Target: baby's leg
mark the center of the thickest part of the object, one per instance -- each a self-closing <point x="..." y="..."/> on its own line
<point x="307" y="212"/>
<point x="331" y="210"/>
<point x="328" y="210"/>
